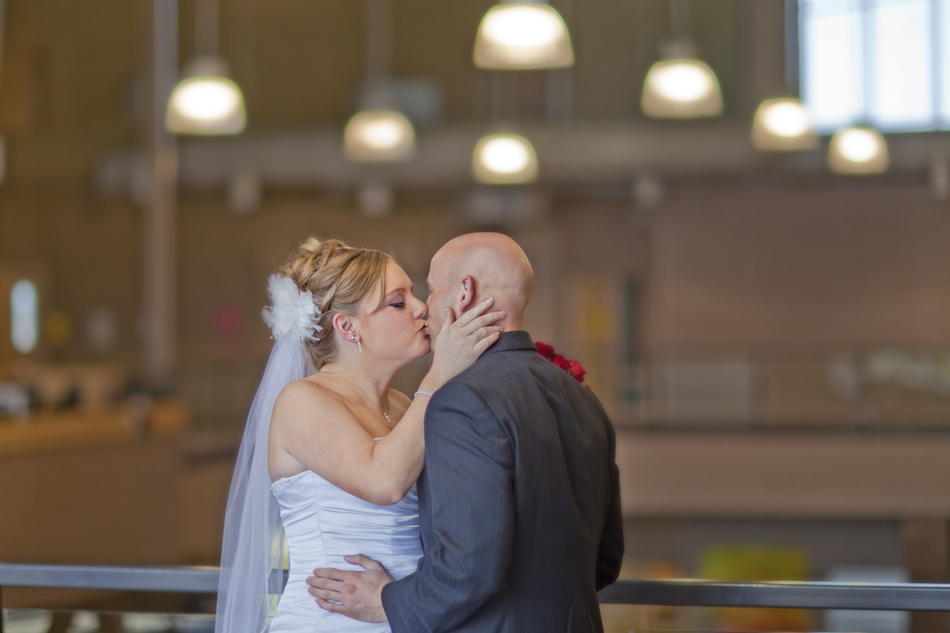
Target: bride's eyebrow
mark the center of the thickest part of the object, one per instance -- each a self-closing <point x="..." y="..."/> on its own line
<point x="397" y="291"/>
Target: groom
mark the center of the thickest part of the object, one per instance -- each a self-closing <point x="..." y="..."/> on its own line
<point x="519" y="501"/>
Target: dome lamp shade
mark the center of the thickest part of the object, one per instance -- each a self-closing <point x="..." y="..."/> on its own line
<point x="504" y="159"/>
<point x="782" y="125"/>
<point x="681" y="88"/>
<point x="206" y="101"/>
<point x="858" y="150"/>
<point x="523" y="36"/>
<point x="379" y="136"/>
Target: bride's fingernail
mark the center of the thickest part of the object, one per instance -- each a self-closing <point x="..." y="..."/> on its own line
<point x="489" y="301"/>
<point x="502" y="313"/>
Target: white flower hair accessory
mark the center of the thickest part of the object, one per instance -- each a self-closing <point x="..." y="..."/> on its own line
<point x="293" y="314"/>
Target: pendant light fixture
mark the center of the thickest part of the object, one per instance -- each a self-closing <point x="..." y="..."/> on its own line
<point x="206" y="101"/>
<point x="522" y="36"/>
<point x="504" y="159"/>
<point x="858" y="150"/>
<point x="515" y="36"/>
<point x="680" y="86"/>
<point x="379" y="132"/>
<point x="782" y="124"/>
<point x="379" y="136"/>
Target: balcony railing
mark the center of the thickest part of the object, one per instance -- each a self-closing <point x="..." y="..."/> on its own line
<point x="699" y="593"/>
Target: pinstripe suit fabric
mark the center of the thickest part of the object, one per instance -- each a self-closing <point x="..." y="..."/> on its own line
<point x="519" y="503"/>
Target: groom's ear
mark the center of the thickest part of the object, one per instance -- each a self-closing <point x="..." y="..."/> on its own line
<point x="467" y="293"/>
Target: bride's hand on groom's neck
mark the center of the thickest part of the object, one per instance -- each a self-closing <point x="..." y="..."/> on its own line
<point x="461" y="341"/>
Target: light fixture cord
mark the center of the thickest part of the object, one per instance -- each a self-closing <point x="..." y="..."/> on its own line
<point x="206" y="27"/>
<point x="3" y="25"/>
<point x="680" y="23"/>
<point x="379" y="38"/>
<point x="791" y="46"/>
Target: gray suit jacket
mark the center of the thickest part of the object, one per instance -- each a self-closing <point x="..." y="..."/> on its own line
<point x="519" y="503"/>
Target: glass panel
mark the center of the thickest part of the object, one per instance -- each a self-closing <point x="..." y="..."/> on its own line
<point x="909" y="388"/>
<point x="24" y="316"/>
<point x="901" y="66"/>
<point x="943" y="71"/>
<point x="814" y="392"/>
<point x="40" y="621"/>
<point x="26" y="621"/>
<point x="704" y="391"/>
<point x="832" y="86"/>
<point x="887" y="44"/>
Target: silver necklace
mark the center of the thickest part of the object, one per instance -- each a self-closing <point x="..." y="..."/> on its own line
<point x="385" y="415"/>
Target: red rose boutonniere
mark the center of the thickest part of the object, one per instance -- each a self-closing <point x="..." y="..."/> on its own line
<point x="572" y="367"/>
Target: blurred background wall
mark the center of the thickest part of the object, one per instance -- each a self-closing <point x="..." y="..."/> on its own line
<point x="772" y="340"/>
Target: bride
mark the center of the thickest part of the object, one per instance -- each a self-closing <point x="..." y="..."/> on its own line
<point x="329" y="458"/>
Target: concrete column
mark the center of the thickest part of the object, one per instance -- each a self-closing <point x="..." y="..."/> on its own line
<point x="159" y="240"/>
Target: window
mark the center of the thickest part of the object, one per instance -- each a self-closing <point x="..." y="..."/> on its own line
<point x="885" y="63"/>
<point x="24" y="316"/>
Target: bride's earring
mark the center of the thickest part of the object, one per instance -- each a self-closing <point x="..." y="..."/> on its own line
<point x="359" y="345"/>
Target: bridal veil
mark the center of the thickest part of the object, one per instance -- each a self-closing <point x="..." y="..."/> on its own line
<point x="252" y="553"/>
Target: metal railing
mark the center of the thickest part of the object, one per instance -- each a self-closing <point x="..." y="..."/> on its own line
<point x="697" y="593"/>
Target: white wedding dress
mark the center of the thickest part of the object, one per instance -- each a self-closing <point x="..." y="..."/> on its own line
<point x="324" y="523"/>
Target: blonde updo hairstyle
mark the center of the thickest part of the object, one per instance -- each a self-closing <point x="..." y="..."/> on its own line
<point x="340" y="277"/>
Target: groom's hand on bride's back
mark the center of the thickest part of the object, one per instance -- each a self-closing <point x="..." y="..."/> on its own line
<point x="355" y="594"/>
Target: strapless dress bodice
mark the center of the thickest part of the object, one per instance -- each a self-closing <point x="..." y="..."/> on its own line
<point x="322" y="524"/>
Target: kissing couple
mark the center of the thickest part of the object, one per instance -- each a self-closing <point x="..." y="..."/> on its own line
<point x="489" y="501"/>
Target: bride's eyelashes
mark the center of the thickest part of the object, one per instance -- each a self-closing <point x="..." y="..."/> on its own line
<point x="401" y="304"/>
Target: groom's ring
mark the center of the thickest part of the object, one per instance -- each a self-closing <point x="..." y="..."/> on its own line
<point x="477" y="335"/>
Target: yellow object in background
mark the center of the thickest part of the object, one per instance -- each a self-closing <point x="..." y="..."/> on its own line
<point x="58" y="328"/>
<point x="738" y="563"/>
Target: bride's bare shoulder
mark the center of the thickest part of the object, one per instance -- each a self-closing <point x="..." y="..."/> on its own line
<point x="301" y="398"/>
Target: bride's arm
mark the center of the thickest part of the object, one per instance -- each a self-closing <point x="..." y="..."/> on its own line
<point x="313" y="426"/>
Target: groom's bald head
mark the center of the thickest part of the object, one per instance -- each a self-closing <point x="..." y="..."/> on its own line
<point x="476" y="266"/>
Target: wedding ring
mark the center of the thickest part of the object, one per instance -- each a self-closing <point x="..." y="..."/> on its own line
<point x="477" y="335"/>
